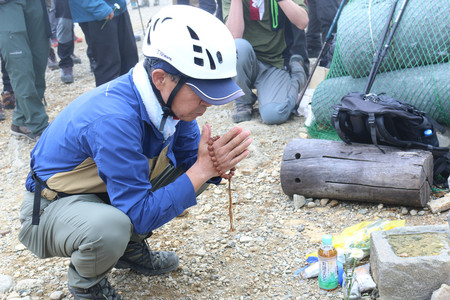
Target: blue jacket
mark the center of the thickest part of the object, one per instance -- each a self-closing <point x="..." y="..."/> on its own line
<point x="94" y="10"/>
<point x="106" y="134"/>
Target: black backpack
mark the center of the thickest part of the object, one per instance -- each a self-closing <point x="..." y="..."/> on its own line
<point x="381" y="120"/>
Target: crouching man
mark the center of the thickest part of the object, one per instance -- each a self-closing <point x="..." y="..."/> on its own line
<point x="128" y="156"/>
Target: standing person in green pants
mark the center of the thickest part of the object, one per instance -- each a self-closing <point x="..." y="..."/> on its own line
<point x="24" y="44"/>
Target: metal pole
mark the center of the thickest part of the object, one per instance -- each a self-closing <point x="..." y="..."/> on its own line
<point x="140" y="16"/>
<point x="384" y="45"/>
<point x="327" y="43"/>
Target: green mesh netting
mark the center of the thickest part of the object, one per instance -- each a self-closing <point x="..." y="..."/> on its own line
<point x="416" y="67"/>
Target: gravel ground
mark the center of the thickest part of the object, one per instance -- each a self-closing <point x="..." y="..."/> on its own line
<point x="256" y="261"/>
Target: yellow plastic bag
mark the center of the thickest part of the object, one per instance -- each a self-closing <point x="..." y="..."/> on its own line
<point x="358" y="236"/>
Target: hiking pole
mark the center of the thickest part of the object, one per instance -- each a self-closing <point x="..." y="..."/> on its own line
<point x="140" y="16"/>
<point x="376" y="57"/>
<point x="327" y="43"/>
<point x="384" y="46"/>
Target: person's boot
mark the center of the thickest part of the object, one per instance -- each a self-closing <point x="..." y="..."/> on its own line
<point x="242" y="112"/>
<point x="297" y="68"/>
<point x="101" y="291"/>
<point x="52" y="62"/>
<point x="75" y="59"/>
<point x="66" y="75"/>
<point x="139" y="257"/>
<point x="25" y="132"/>
<point x="8" y="99"/>
<point x="92" y="64"/>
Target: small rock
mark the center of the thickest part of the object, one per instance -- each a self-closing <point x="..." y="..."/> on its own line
<point x="421" y="213"/>
<point x="303" y="135"/>
<point x="439" y="205"/>
<point x="413" y="212"/>
<point x="58" y="295"/>
<point x="311" y="204"/>
<point x="404" y="211"/>
<point x="6" y="283"/>
<point x="324" y="201"/>
<point x="245" y="239"/>
<point x="201" y="252"/>
<point x="29" y="284"/>
<point x="363" y="211"/>
<point x="232" y="244"/>
<point x="299" y="201"/>
<point x="442" y="293"/>
<point x="207" y="208"/>
<point x="4" y="232"/>
<point x="380" y="206"/>
<point x="334" y="203"/>
<point x="20" y="247"/>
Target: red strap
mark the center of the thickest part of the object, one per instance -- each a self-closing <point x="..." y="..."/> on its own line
<point x="254" y="12"/>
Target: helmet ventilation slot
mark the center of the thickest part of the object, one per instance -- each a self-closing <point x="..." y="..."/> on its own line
<point x="194" y="35"/>
<point x="198" y="49"/>
<point x="219" y="57"/>
<point x="212" y="64"/>
<point x="198" y="61"/>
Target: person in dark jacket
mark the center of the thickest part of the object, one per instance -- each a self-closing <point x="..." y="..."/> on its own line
<point x="108" y="31"/>
<point x="127" y="157"/>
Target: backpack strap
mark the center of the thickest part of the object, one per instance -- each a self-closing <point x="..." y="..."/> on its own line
<point x="381" y="128"/>
<point x="338" y="120"/>
<point x="372" y="122"/>
<point x="436" y="151"/>
<point x="38" y="184"/>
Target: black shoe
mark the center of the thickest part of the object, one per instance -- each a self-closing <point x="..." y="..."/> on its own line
<point x="140" y="258"/>
<point x="296" y="64"/>
<point x="297" y="69"/>
<point x="52" y="62"/>
<point x="242" y="113"/>
<point x="24" y="131"/>
<point x="93" y="64"/>
<point x="101" y="291"/>
<point x="67" y="75"/>
<point x="75" y="59"/>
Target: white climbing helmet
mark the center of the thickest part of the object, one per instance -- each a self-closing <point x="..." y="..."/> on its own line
<point x="193" y="41"/>
<point x="199" y="46"/>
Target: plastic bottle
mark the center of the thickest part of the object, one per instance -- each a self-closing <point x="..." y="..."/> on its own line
<point x="328" y="269"/>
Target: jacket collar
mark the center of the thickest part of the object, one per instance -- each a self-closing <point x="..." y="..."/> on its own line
<point x="152" y="106"/>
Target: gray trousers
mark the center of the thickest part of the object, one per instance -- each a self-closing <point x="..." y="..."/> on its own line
<point x="93" y="234"/>
<point x="277" y="90"/>
<point x="24" y="46"/>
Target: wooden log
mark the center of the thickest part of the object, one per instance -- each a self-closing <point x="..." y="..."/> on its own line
<point x="357" y="172"/>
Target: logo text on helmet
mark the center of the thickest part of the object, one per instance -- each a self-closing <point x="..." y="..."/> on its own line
<point x="163" y="55"/>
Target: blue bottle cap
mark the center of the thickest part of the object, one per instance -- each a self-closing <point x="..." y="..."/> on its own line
<point x="327" y="239"/>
